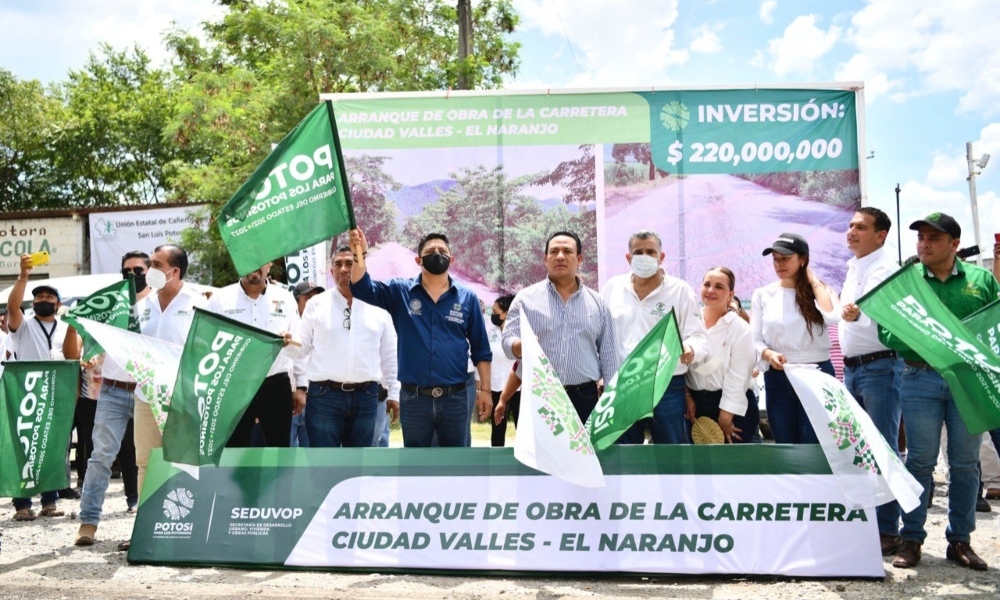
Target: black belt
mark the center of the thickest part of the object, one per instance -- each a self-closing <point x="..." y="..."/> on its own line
<point x="857" y="361"/>
<point x="919" y="364"/>
<point x="580" y="387"/>
<point x="128" y="386"/>
<point x="435" y="391"/>
<point x="344" y="387"/>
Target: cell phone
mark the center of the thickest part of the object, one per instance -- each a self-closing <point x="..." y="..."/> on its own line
<point x="996" y="237"/>
<point x="39" y="258"/>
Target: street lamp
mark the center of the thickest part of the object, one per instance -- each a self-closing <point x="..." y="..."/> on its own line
<point x="973" y="163"/>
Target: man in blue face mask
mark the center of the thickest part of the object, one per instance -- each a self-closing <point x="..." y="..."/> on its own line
<point x="37" y="338"/>
<point x="638" y="300"/>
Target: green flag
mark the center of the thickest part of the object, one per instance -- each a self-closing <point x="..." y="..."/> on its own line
<point x="222" y="366"/>
<point x="113" y="305"/>
<point x="908" y="308"/>
<point x="638" y="385"/>
<point x="38" y="398"/>
<point x="297" y="197"/>
<point x="985" y="324"/>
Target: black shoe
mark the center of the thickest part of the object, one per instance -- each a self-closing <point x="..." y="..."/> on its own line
<point x="982" y="505"/>
<point x="69" y="494"/>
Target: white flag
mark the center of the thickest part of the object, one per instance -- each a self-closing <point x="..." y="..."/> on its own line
<point x="550" y="436"/>
<point x="152" y="363"/>
<point x="867" y="471"/>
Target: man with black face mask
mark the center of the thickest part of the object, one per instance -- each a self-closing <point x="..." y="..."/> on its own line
<point x="37" y="338"/>
<point x="439" y="325"/>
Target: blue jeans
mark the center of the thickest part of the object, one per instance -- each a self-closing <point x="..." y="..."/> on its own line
<point x="47" y="498"/>
<point x="667" y="425"/>
<point x="927" y="404"/>
<point x="380" y="437"/>
<point x="423" y="416"/>
<point x="337" y="418"/>
<point x="788" y="420"/>
<point x="114" y="409"/>
<point x="875" y="386"/>
<point x="299" y="438"/>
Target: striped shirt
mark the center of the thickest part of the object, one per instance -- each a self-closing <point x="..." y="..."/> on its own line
<point x="777" y="324"/>
<point x="577" y="336"/>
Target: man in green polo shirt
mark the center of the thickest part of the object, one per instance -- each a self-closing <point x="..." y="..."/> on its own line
<point x="928" y="403"/>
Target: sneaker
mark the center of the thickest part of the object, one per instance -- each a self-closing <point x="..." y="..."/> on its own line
<point x="130" y="510"/>
<point x="86" y="536"/>
<point x="50" y="510"/>
<point x="890" y="544"/>
<point x="961" y="553"/>
<point x="25" y="514"/>
<point x="908" y="555"/>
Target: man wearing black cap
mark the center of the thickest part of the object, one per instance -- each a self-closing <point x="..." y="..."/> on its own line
<point x="928" y="403"/>
<point x="35" y="339"/>
<point x="303" y="291"/>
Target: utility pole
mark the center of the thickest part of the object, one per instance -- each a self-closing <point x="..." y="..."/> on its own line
<point x="464" y="41"/>
<point x="899" y="228"/>
<point x="973" y="163"/>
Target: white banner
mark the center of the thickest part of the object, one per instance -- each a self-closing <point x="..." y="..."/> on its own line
<point x="308" y="264"/>
<point x="792" y="525"/>
<point x="113" y="234"/>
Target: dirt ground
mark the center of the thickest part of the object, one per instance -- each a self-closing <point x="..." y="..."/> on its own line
<point x="38" y="560"/>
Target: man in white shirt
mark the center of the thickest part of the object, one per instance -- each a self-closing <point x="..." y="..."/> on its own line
<point x="350" y="347"/>
<point x="638" y="301"/>
<point x="253" y="301"/>
<point x="871" y="371"/>
<point x="35" y="339"/>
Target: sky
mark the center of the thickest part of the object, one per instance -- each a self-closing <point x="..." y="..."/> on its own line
<point x="930" y="69"/>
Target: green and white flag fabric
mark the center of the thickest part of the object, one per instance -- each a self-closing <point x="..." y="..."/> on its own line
<point x="222" y="366"/>
<point x="38" y="400"/>
<point x="113" y="305"/>
<point x="297" y="197"/>
<point x="866" y="469"/>
<point x="907" y="307"/>
<point x="151" y="362"/>
<point x="550" y="436"/>
<point x="985" y="325"/>
<point x="637" y="387"/>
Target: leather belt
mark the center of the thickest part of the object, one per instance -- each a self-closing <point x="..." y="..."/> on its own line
<point x="919" y="364"/>
<point x="581" y="387"/>
<point x="434" y="391"/>
<point x="128" y="386"/>
<point x="864" y="359"/>
<point x="344" y="387"/>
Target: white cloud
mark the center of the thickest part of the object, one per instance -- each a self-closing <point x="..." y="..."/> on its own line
<point x="801" y="45"/>
<point x="767" y="10"/>
<point x="706" y="39"/>
<point x="928" y="46"/>
<point x="616" y="43"/>
<point x="47" y="40"/>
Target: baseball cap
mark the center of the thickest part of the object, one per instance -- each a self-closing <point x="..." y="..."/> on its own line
<point x="788" y="243"/>
<point x="306" y="287"/>
<point x="941" y="222"/>
<point x="43" y="289"/>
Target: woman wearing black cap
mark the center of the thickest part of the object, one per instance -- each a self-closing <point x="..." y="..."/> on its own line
<point x="789" y="320"/>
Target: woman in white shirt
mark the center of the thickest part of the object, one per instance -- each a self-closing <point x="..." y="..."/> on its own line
<point x="789" y="320"/>
<point x="718" y="387"/>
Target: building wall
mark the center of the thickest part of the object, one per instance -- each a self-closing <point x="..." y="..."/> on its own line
<point x="62" y="237"/>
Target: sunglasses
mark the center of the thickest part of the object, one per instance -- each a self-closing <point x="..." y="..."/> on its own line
<point x="134" y="271"/>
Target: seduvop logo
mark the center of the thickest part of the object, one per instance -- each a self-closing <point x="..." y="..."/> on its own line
<point x="176" y="506"/>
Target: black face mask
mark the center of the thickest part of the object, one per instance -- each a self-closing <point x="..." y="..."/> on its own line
<point x="436" y="263"/>
<point x="140" y="279"/>
<point x="44" y="309"/>
<point x="497" y="319"/>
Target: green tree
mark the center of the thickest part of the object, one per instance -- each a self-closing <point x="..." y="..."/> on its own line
<point x="111" y="149"/>
<point x="370" y="188"/>
<point x="576" y="175"/>
<point x="28" y="118"/>
<point x="264" y="65"/>
<point x="639" y="153"/>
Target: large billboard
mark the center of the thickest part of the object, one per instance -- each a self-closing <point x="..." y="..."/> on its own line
<point x="717" y="173"/>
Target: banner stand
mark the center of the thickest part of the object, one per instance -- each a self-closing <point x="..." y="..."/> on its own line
<point x="720" y="510"/>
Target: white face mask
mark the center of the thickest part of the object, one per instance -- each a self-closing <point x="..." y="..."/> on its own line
<point x="643" y="266"/>
<point x="156" y="279"/>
